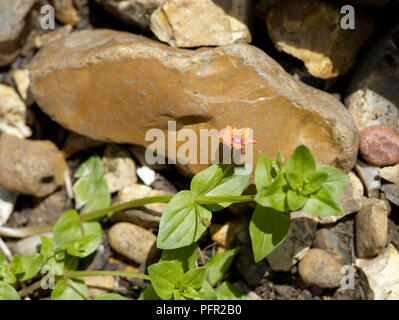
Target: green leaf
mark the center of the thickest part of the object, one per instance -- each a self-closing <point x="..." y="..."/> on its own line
<point x="26" y="267"/>
<point x="267" y="228"/>
<point x="110" y="296"/>
<point x="187" y="256"/>
<point x="188" y="294"/>
<point x="315" y="181"/>
<point x="177" y="295"/>
<point x="206" y="179"/>
<point x="92" y="227"/>
<point x="164" y="278"/>
<point x="85" y="246"/>
<point x="81" y="239"/>
<point x="229" y="292"/>
<point x="57" y="268"/>
<point x="91" y="188"/>
<point x="67" y="228"/>
<point x="6" y="274"/>
<point x="295" y="180"/>
<point x="322" y="204"/>
<point x="301" y="161"/>
<point x="207" y="292"/>
<point x="7" y="292"/>
<point x="219" y="264"/>
<point x="149" y="294"/>
<point x="182" y="222"/>
<point x="16" y="265"/>
<point x="295" y="201"/>
<point x="89" y="243"/>
<point x="280" y="160"/>
<point x="47" y="246"/>
<point x="336" y="181"/>
<point x="234" y="181"/>
<point x="61" y="260"/>
<point x="193" y="278"/>
<point x="263" y="172"/>
<point x="64" y="291"/>
<point x="273" y="196"/>
<point x="50" y="256"/>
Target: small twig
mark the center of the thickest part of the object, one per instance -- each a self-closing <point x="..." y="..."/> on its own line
<point x="210" y="246"/>
<point x="68" y="184"/>
<point x="201" y="255"/>
<point x="28" y="290"/>
<point x="6" y="251"/>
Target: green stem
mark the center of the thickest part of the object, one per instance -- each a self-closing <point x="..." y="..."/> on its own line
<point x="90" y="273"/>
<point x="80" y="274"/>
<point x="30" y="231"/>
<point x="124" y="206"/>
<point x="220" y="199"/>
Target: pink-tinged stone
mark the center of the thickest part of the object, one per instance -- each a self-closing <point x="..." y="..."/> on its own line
<point x="379" y="146"/>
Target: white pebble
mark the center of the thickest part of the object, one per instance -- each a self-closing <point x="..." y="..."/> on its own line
<point x="146" y="174"/>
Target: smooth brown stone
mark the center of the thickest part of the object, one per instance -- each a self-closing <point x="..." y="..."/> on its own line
<point x="320" y="268"/>
<point x="32" y="167"/>
<point x="196" y="23"/>
<point x="371" y="228"/>
<point x="114" y="86"/>
<point x="133" y="242"/>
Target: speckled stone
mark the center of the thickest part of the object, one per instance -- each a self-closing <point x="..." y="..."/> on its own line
<point x="379" y="146"/>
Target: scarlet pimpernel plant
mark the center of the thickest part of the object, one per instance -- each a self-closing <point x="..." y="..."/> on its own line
<point x="281" y="188"/>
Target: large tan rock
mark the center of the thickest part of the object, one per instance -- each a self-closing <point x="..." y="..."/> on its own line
<point x="195" y="23"/>
<point x="311" y="31"/>
<point x="115" y="86"/>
